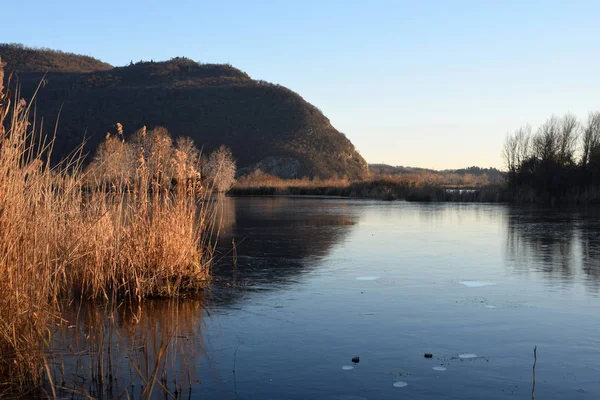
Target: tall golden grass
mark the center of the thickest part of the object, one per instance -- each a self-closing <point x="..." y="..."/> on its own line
<point x="62" y="238"/>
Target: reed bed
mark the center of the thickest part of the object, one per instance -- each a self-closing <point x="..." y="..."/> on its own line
<point x="417" y="186"/>
<point x="73" y="234"/>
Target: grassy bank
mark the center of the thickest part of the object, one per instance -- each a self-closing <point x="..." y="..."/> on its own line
<point x="60" y="243"/>
<point x="410" y="187"/>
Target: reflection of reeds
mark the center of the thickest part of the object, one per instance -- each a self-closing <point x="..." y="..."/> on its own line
<point x="62" y="239"/>
<point x="120" y="353"/>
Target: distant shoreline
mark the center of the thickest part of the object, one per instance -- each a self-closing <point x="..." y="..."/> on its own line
<point x="379" y="189"/>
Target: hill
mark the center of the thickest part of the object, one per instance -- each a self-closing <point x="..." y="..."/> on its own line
<point x="267" y="126"/>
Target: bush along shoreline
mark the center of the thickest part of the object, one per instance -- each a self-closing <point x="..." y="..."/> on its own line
<point x="409" y="188"/>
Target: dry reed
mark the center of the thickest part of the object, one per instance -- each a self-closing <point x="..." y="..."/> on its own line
<point x="66" y="235"/>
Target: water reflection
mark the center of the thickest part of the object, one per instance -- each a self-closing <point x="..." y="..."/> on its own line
<point x="277" y="240"/>
<point x="150" y="351"/>
<point x="293" y="310"/>
<point x="561" y="245"/>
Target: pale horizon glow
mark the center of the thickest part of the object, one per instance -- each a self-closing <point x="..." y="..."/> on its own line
<point x="424" y="84"/>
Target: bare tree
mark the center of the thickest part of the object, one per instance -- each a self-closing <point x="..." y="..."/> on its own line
<point x="186" y="159"/>
<point x="221" y="169"/>
<point x="509" y="153"/>
<point x="567" y="139"/>
<point x="517" y="148"/>
<point x="590" y="137"/>
<point x="546" y="140"/>
<point x="187" y="146"/>
<point x="523" y="139"/>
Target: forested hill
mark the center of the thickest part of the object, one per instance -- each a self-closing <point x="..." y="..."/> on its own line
<point x="267" y="126"/>
<point x="492" y="174"/>
<point x="24" y="59"/>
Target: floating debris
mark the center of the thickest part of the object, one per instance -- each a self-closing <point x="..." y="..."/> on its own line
<point x="467" y="355"/>
<point x="428" y="355"/>
<point x="400" y="384"/>
<point x="355" y="360"/>
<point x="439" y="368"/>
<point x="476" y="283"/>
<point x="367" y="278"/>
<point x="347" y="367"/>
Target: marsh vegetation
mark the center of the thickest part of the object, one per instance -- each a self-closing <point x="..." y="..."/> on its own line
<point x="139" y="222"/>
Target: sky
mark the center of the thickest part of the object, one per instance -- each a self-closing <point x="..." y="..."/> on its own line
<point x="433" y="84"/>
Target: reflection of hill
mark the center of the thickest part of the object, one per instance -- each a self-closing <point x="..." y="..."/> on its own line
<point x="278" y="239"/>
<point x="561" y="245"/>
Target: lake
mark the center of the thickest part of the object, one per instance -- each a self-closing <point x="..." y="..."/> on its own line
<point x="312" y="283"/>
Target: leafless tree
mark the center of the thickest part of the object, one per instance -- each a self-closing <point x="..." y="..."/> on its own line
<point x="590" y="137"/>
<point x="523" y="138"/>
<point x="509" y="153"/>
<point x="186" y="159"/>
<point x="221" y="169"/>
<point x="187" y="146"/>
<point x="546" y="140"/>
<point x="567" y="139"/>
<point x="517" y="148"/>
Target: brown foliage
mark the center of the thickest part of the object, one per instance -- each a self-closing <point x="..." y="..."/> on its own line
<point x="107" y="234"/>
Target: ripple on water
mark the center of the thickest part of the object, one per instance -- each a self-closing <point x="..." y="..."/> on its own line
<point x="400" y="384"/>
<point x="467" y="355"/>
<point x="476" y="283"/>
<point x="439" y="368"/>
<point x="347" y="367"/>
<point x="367" y="278"/>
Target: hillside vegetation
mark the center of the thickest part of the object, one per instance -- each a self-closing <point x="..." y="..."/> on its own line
<point x="266" y="126"/>
<point x="26" y="59"/>
<point x="462" y="177"/>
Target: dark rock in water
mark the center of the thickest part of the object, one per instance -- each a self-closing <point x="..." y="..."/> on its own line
<point x="428" y="355"/>
<point x="355" y="360"/>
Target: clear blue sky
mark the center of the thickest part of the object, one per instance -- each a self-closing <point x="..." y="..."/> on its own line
<point x="421" y="83"/>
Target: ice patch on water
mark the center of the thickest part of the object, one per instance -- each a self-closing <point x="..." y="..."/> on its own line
<point x="468" y="355"/>
<point x="439" y="368"/>
<point x="400" y="384"/>
<point x="476" y="283"/>
<point x="367" y="278"/>
<point x="347" y="367"/>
